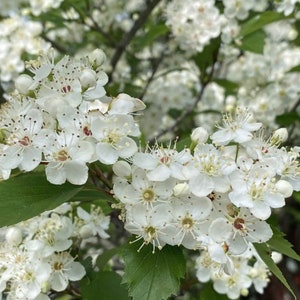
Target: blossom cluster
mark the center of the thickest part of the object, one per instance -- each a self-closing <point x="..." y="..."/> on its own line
<point x="214" y="196"/>
<point x="61" y="117"/>
<point x="36" y="254"/>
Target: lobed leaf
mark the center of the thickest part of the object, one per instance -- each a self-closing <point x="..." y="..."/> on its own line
<point x="152" y="276"/>
<point x="105" y="285"/>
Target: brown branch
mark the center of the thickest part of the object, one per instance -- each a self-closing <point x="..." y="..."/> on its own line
<point x="121" y="47"/>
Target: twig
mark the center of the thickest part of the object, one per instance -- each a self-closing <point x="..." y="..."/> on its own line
<point x="121" y="47"/>
<point x="189" y="110"/>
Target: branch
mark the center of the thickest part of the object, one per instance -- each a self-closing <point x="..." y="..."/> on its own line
<point x="189" y="110"/>
<point x="121" y="47"/>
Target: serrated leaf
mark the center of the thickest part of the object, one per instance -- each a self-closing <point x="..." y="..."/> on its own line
<point x="259" y="21"/>
<point x="153" y="276"/>
<point x="28" y="195"/>
<point x="280" y="244"/>
<point x="254" y="42"/>
<point x="105" y="285"/>
<point x="264" y="252"/>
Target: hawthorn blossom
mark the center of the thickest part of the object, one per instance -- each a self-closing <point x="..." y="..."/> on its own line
<point x="208" y="171"/>
<point x="67" y="159"/>
<point x="112" y="134"/>
<point x="148" y="223"/>
<point x="64" y="269"/>
<point x="237" y="128"/>
<point x="163" y="163"/>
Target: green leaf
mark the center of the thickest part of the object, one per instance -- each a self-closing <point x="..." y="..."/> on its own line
<point x="259" y="21"/>
<point x="28" y="195"/>
<point x="103" y="259"/>
<point x="280" y="244"/>
<point x="153" y="276"/>
<point x="295" y="69"/>
<point x="254" y="42"/>
<point x="264" y="252"/>
<point x="229" y="86"/>
<point x="154" y="32"/>
<point x="207" y="57"/>
<point x="105" y="285"/>
<point x="287" y="119"/>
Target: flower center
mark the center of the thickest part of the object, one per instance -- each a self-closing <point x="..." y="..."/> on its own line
<point x="25" y="141"/>
<point x="148" y="195"/>
<point x="187" y="223"/>
<point x="239" y="223"/>
<point x="62" y="155"/>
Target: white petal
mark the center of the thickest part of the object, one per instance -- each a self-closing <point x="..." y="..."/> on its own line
<point x="76" y="172"/>
<point x="161" y="173"/>
<point x="55" y="173"/>
<point x="75" y="271"/>
<point x="31" y="159"/>
<point x="106" y="153"/>
<point x="220" y="230"/>
<point x="59" y="282"/>
<point x="126" y="147"/>
<point x="145" y="161"/>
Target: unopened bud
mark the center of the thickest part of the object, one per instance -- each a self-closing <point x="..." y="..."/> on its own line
<point x="97" y="58"/>
<point x="85" y="231"/>
<point x="122" y="169"/>
<point x="279" y="136"/>
<point x="13" y="236"/>
<point x="284" y="188"/>
<point x="23" y="83"/>
<point x="199" y="135"/>
<point x="181" y="189"/>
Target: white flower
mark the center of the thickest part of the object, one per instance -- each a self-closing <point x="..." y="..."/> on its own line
<point x="64" y="268"/>
<point x="67" y="158"/>
<point x="142" y="190"/>
<point x="30" y="279"/>
<point x="94" y="222"/>
<point x="239" y="229"/>
<point x="209" y="171"/>
<point x="236" y="128"/>
<point x="112" y="134"/>
<point x="163" y="163"/>
<point x="148" y="223"/>
<point x="258" y="190"/>
<point x="22" y="143"/>
<point x="190" y="214"/>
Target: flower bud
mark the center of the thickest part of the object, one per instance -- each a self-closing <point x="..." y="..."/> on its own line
<point x="199" y="135"/>
<point x="85" y="231"/>
<point x="87" y="78"/>
<point x="284" y="188"/>
<point x="279" y="136"/>
<point x="13" y="236"/>
<point x="122" y="169"/>
<point x="180" y="189"/>
<point x="97" y="58"/>
<point x="23" y="83"/>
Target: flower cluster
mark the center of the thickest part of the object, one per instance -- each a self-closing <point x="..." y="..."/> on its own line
<point x="61" y="117"/>
<point x="194" y="23"/>
<point x="215" y="196"/>
<point x="18" y="35"/>
<point x="35" y="254"/>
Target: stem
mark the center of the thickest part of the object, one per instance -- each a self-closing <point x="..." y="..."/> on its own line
<point x="121" y="47"/>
